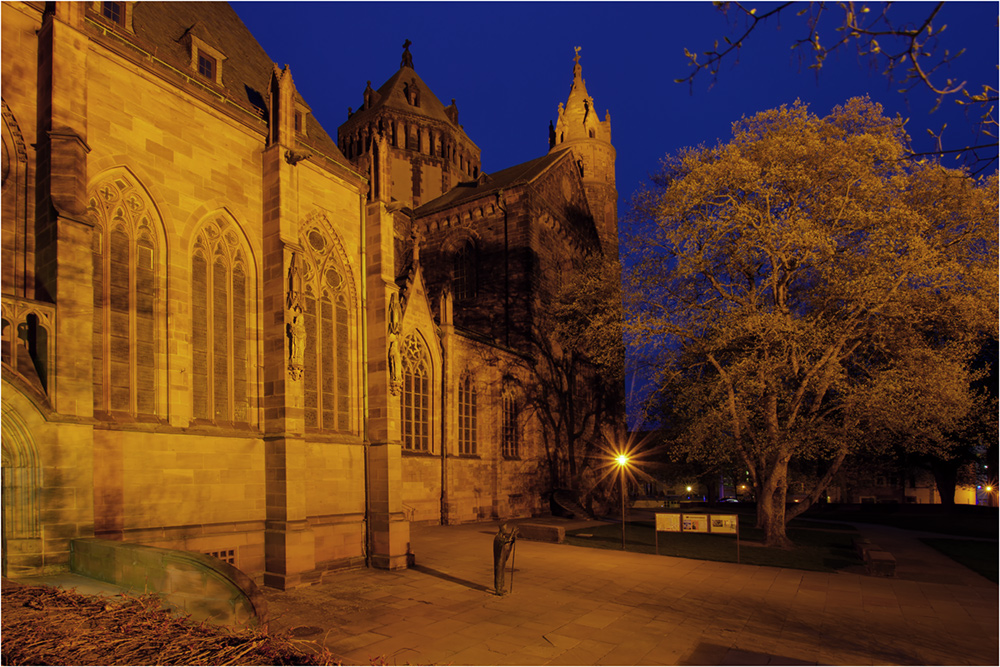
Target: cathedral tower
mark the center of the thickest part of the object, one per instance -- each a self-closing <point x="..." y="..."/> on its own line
<point x="580" y="130"/>
<point x="406" y="141"/>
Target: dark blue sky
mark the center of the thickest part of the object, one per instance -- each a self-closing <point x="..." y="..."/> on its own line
<point x="509" y="65"/>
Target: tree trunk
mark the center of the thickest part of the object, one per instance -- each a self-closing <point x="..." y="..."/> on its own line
<point x="771" y="505"/>
<point x="946" y="479"/>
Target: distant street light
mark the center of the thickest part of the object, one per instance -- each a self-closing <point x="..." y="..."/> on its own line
<point x="622" y="462"/>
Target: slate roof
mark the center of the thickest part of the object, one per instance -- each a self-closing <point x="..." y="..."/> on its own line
<point x="504" y="179"/>
<point x="246" y="72"/>
<point x="391" y="95"/>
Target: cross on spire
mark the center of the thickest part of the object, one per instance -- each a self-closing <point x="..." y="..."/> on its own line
<point x="407" y="57"/>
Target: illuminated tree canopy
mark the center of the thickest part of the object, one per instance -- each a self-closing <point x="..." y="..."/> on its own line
<point x="808" y="290"/>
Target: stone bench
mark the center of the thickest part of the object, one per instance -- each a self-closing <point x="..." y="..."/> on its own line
<point x="861" y="545"/>
<point x="880" y="563"/>
<point x="541" y="532"/>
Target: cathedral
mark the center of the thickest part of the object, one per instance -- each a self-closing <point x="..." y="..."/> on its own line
<point x="228" y="331"/>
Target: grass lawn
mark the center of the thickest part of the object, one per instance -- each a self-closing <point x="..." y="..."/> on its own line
<point x="980" y="557"/>
<point x="964" y="520"/>
<point x="821" y="549"/>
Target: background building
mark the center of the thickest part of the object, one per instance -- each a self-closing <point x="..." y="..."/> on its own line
<point x="226" y="332"/>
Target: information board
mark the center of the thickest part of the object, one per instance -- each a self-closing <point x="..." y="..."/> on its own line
<point x="725" y="523"/>
<point x="668" y="523"/>
<point x="720" y="524"/>
<point x="694" y="523"/>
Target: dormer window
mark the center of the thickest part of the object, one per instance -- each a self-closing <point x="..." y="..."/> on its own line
<point x="206" y="60"/>
<point x="207" y="66"/>
<point x="298" y="122"/>
<point x="114" y="12"/>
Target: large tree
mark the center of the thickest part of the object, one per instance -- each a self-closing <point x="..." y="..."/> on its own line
<point x="809" y="290"/>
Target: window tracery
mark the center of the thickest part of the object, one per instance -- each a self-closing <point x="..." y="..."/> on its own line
<point x="465" y="283"/>
<point x="416" y="399"/>
<point x="220" y="319"/>
<point x="467" y="416"/>
<point x="127" y="284"/>
<point x="327" y="312"/>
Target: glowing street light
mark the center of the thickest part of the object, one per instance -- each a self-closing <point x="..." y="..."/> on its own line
<point x="622" y="461"/>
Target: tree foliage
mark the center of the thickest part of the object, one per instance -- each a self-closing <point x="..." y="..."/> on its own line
<point x="810" y="291"/>
<point x="908" y="53"/>
<point x="588" y="315"/>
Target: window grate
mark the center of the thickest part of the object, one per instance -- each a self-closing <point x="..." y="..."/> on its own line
<point x="225" y="555"/>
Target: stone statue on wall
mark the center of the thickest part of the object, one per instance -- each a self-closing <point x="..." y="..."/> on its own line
<point x="297" y="347"/>
<point x="395" y="366"/>
<point x="296" y="327"/>
<point x="395" y="315"/>
<point x="394" y="320"/>
<point x="503" y="545"/>
<point x="294" y="284"/>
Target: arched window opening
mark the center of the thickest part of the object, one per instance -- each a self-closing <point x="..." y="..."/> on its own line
<point x="327" y="359"/>
<point x="21" y="480"/>
<point x="416" y="403"/>
<point x="8" y="342"/>
<point x="465" y="283"/>
<point x="220" y="317"/>
<point x="510" y="439"/>
<point x="467" y="417"/>
<point x="126" y="285"/>
<point x="36" y="340"/>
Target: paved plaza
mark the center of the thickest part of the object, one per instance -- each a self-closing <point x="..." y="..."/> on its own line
<point x="579" y="606"/>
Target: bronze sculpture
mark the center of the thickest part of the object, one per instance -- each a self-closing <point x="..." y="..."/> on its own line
<point x="503" y="545"/>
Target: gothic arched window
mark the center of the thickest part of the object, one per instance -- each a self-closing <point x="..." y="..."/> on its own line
<point x="220" y="316"/>
<point x="510" y="437"/>
<point x="416" y="403"/>
<point x="467" y="416"/>
<point x="465" y="283"/>
<point x="126" y="282"/>
<point x="327" y="362"/>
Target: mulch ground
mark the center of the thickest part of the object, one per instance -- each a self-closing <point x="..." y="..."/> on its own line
<point x="48" y="626"/>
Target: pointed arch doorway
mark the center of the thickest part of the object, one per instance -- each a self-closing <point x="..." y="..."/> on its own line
<point x="21" y="487"/>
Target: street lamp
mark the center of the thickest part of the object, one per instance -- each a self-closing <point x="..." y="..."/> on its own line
<point x="622" y="461"/>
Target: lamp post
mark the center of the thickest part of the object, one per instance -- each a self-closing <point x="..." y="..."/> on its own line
<point x="622" y="461"/>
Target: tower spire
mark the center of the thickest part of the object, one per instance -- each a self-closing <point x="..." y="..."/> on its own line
<point x="580" y="129"/>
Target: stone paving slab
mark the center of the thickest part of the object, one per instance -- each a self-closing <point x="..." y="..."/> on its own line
<point x="574" y="605"/>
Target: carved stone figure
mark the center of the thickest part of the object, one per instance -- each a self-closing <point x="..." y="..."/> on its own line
<point x="395" y="315"/>
<point x="297" y="338"/>
<point x="407" y="57"/>
<point x="395" y="367"/>
<point x="503" y="544"/>
<point x="294" y="284"/>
